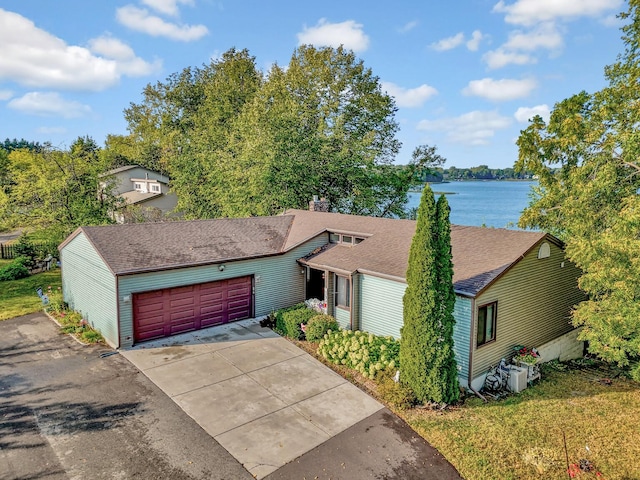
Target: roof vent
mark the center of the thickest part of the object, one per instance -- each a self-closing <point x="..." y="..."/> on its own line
<point x="544" y="251"/>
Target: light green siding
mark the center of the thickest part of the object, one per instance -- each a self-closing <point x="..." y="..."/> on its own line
<point x="534" y="300"/>
<point x="462" y="312"/>
<point x="343" y="316"/>
<point x="278" y="282"/>
<point x="89" y="287"/>
<point x="380" y="305"/>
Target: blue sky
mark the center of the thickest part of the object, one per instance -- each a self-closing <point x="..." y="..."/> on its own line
<point x="466" y="74"/>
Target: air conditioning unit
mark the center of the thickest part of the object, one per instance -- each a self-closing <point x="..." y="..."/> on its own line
<point x="517" y="379"/>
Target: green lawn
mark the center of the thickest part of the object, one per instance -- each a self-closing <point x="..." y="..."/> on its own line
<point x="522" y="436"/>
<point x="18" y="297"/>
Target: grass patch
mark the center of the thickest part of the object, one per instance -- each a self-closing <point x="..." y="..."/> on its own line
<point x="522" y="436"/>
<point x="18" y="297"/>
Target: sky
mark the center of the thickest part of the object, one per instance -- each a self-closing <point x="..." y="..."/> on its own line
<point x="466" y="74"/>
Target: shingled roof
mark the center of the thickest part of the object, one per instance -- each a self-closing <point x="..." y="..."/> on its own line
<point x="140" y="247"/>
<point x="480" y="255"/>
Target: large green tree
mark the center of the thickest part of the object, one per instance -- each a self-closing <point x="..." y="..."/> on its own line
<point x="55" y="190"/>
<point x="237" y="142"/>
<point x="591" y="199"/>
<point x="427" y="359"/>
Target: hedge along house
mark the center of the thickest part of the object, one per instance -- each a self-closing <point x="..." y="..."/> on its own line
<point x="141" y="281"/>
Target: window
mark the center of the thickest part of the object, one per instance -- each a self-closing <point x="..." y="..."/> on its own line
<point x="347" y="239"/>
<point x="334" y="238"/>
<point x="155" y="187"/>
<point x="544" y="251"/>
<point x="358" y="240"/>
<point x="486" y="331"/>
<point x="343" y="291"/>
<point x="137" y="186"/>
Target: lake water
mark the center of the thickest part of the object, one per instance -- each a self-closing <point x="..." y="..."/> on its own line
<point x="483" y="203"/>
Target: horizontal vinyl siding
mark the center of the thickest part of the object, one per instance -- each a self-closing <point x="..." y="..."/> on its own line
<point x="534" y="300"/>
<point x="343" y="317"/>
<point x="277" y="279"/>
<point x="462" y="334"/>
<point x="380" y="305"/>
<point x="89" y="287"/>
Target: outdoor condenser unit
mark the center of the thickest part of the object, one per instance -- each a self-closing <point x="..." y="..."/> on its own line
<point x="517" y="379"/>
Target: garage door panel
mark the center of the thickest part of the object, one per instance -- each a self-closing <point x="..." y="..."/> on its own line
<point x="170" y="311"/>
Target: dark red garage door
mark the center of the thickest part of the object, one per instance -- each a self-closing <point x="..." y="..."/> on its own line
<point x="165" y="312"/>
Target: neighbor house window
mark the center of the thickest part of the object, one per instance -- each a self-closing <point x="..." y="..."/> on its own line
<point x="137" y="186"/>
<point x="343" y="291"/>
<point x="486" y="331"/>
<point x="155" y="187"/>
<point x="334" y="238"/>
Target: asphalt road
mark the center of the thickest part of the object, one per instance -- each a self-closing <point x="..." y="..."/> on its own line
<point x="67" y="413"/>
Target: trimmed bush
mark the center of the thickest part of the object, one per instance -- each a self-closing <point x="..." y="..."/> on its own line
<point x="279" y="319"/>
<point x="15" y="270"/>
<point x="292" y="320"/>
<point x="394" y="393"/>
<point x="319" y="325"/>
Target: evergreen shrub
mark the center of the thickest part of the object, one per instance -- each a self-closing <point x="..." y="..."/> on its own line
<point x="319" y="325"/>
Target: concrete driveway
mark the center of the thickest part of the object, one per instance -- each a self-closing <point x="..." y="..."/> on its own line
<point x="263" y="399"/>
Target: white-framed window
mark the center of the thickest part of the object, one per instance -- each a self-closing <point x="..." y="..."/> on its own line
<point x="343" y="292"/>
<point x="155" y="188"/>
<point x="137" y="186"/>
<point x="344" y="239"/>
<point x="486" y="325"/>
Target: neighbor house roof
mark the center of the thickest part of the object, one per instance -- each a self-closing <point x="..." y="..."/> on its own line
<point x="119" y="169"/>
<point x="480" y="255"/>
<point x="132" y="197"/>
<point x="140" y="247"/>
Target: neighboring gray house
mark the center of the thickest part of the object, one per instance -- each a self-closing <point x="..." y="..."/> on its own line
<point x="140" y="191"/>
<point x="141" y="281"/>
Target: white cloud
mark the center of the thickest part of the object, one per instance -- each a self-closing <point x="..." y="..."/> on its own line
<point x="168" y="7"/>
<point x="48" y="104"/>
<point x="127" y="62"/>
<point x="35" y="58"/>
<point x="473" y="128"/>
<point x="141" y="20"/>
<point x="407" y="27"/>
<point x="500" y="58"/>
<point x="5" y="95"/>
<point x="325" y="34"/>
<point x="544" y="36"/>
<point x="52" y="130"/>
<point x="448" y="43"/>
<point x="524" y="114"/>
<point x="530" y="12"/>
<point x="500" y="90"/>
<point x="409" y="97"/>
<point x="474" y="42"/>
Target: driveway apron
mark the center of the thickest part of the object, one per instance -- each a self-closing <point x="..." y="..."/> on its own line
<point x="264" y="400"/>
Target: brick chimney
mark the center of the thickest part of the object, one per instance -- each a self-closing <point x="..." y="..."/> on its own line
<point x="316" y="205"/>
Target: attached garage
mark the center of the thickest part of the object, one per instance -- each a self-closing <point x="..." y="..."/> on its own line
<point x="136" y="282"/>
<point x="169" y="311"/>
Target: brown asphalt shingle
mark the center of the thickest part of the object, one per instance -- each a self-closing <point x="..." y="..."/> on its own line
<point x="480" y="254"/>
<point x="157" y="246"/>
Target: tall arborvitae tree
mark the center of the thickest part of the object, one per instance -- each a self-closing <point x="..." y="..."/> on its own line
<point x="426" y="352"/>
<point x="445" y="363"/>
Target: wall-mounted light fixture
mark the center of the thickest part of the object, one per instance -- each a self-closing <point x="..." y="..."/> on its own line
<point x="221" y="267"/>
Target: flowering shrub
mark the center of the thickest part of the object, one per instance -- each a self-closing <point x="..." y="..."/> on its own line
<point x="526" y="355"/>
<point x="364" y="352"/>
